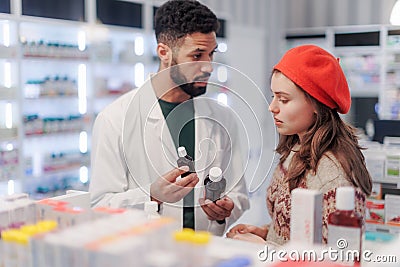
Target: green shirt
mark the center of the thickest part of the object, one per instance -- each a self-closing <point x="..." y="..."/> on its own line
<point x="180" y="123"/>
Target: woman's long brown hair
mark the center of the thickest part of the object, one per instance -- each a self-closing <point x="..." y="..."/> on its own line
<point x="329" y="133"/>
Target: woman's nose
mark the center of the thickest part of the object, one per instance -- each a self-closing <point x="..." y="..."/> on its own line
<point x="272" y="107"/>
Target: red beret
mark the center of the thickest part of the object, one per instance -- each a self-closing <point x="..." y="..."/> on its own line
<point x="318" y="73"/>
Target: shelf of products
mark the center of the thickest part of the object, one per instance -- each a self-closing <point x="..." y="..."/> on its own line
<point x="9" y="99"/>
<point x="382" y="206"/>
<point x="53" y="85"/>
<point x="120" y="63"/>
<point x="56" y="121"/>
<point x="369" y="55"/>
<point x="391" y="95"/>
<point x="362" y="71"/>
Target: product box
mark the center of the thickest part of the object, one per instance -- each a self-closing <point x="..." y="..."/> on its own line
<point x="5" y="211"/>
<point x="375" y="211"/>
<point x="375" y="162"/>
<point x="75" y="198"/>
<point x="67" y="217"/>
<point x="376" y="192"/>
<point x="45" y="208"/>
<point x="392" y="209"/>
<point x="306" y="216"/>
<point x="393" y="163"/>
<point x="101" y="212"/>
<point x="18" y="208"/>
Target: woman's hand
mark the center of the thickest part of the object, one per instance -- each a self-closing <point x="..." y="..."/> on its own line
<point x="242" y="229"/>
<point x="249" y="237"/>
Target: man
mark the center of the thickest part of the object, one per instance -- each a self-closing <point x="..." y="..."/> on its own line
<point x="135" y="139"/>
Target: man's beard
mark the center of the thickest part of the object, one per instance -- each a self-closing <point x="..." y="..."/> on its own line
<point x="188" y="87"/>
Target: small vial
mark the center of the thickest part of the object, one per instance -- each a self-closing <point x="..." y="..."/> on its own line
<point x="163" y="259"/>
<point x="214" y="184"/>
<point x="151" y="209"/>
<point x="185" y="160"/>
<point x="345" y="226"/>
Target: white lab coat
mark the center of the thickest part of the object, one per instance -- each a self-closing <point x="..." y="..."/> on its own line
<point x="132" y="147"/>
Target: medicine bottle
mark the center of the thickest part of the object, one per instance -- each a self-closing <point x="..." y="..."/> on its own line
<point x="214" y="184"/>
<point x="345" y="226"/>
<point x="185" y="160"/>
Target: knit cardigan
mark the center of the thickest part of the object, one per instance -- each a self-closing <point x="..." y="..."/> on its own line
<point x="329" y="176"/>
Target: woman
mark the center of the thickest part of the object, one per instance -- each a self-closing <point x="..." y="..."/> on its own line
<point x="318" y="150"/>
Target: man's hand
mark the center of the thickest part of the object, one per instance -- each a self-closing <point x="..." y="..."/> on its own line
<point x="219" y="210"/>
<point x="167" y="189"/>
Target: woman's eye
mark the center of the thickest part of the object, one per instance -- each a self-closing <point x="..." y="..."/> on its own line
<point x="280" y="99"/>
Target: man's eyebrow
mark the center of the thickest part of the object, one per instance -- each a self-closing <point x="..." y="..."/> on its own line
<point x="203" y="50"/>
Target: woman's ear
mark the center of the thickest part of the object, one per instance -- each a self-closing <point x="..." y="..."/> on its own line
<point x="164" y="53"/>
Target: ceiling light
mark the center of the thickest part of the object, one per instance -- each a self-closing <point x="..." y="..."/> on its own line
<point x="395" y="15"/>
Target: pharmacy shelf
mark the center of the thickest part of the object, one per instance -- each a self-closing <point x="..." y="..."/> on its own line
<point x="53" y="93"/>
<point x="369" y="55"/>
<point x="389" y="182"/>
<point x="385" y="228"/>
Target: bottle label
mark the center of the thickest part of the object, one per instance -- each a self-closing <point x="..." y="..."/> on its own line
<point x="184" y="161"/>
<point x="346" y="241"/>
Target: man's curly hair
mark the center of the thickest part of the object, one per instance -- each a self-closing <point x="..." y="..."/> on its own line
<point x="177" y="18"/>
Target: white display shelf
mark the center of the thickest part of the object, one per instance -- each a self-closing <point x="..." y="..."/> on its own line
<point x="8" y="93"/>
<point x="372" y="227"/>
<point x="393" y="181"/>
<point x="8" y="134"/>
<point x="358" y="50"/>
<point x="373" y="91"/>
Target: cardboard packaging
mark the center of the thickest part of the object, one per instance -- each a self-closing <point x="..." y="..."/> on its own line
<point x="306" y="216"/>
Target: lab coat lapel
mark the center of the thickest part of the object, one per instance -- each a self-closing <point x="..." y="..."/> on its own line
<point x="158" y="140"/>
<point x="159" y="145"/>
<point x="205" y="151"/>
<point x="204" y="125"/>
